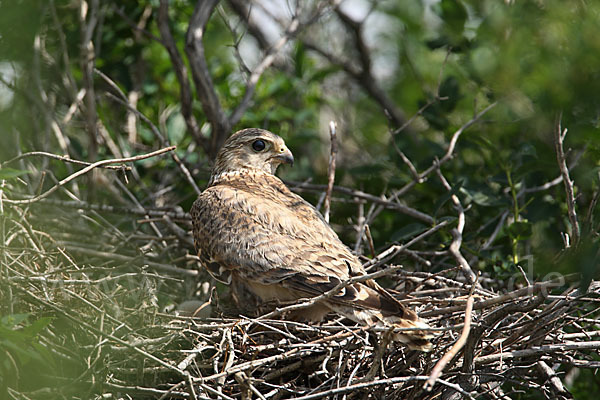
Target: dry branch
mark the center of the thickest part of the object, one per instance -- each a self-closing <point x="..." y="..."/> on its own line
<point x="559" y="138"/>
<point x="331" y="169"/>
<point x="86" y="170"/>
<point x="181" y="72"/>
<point x="206" y="92"/>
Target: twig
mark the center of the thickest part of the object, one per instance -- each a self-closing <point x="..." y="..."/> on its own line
<point x="62" y="158"/>
<point x="392" y="251"/>
<point x="447" y="155"/>
<point x="378" y="382"/>
<point x="385" y="203"/>
<point x="123" y="258"/>
<point x="269" y="58"/>
<point x="87" y="169"/>
<point x="555" y="383"/>
<point x="559" y="137"/>
<point x="125" y="101"/>
<point x="122" y="210"/>
<point x="457" y="232"/>
<point x="526" y="291"/>
<point x="441" y="364"/>
<point x="536" y="351"/>
<point x="186" y="97"/>
<point x="331" y="169"/>
<point x="365" y="76"/>
<point x="206" y="92"/>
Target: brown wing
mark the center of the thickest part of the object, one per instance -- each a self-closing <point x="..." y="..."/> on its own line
<point x="253" y="225"/>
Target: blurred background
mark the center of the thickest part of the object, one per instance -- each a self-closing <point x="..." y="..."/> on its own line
<point x="478" y="86"/>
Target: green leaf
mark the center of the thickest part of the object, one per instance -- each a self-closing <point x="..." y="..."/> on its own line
<point x="442" y="200"/>
<point x="408" y="231"/>
<point x="483" y="196"/>
<point x="454" y="14"/>
<point x="10" y="173"/>
<point x="37" y="326"/>
<point x="10" y="321"/>
<point x="451" y="90"/>
<point x="520" y="230"/>
<point x="176" y="128"/>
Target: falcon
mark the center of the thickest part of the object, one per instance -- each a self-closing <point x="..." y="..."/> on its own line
<point x="251" y="231"/>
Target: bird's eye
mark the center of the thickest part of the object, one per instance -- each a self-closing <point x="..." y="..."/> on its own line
<point x="259" y="145"/>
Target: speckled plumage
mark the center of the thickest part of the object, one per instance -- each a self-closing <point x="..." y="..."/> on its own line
<point x="251" y="231"/>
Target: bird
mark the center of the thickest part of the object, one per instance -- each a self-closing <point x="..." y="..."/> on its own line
<point x="252" y="232"/>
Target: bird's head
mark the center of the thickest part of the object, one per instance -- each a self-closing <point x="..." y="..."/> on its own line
<point x="252" y="149"/>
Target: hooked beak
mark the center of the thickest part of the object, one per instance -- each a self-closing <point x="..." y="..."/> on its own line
<point x="285" y="156"/>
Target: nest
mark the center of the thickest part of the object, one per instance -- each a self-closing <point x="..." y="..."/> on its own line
<point x="112" y="329"/>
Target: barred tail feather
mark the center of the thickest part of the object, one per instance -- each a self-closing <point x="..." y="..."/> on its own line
<point x="414" y="339"/>
<point x="373" y="306"/>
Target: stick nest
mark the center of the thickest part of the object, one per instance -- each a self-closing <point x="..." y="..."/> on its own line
<point x="110" y="301"/>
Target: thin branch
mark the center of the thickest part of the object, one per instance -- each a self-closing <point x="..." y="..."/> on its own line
<point x="62" y="158"/>
<point x="269" y="58"/>
<point x="86" y="170"/>
<point x="385" y="203"/>
<point x="365" y="77"/>
<point x="447" y="155"/>
<point x="124" y="100"/>
<point x="331" y="169"/>
<point x="537" y="351"/>
<point x="388" y="381"/>
<point x="559" y="137"/>
<point x="457" y="233"/>
<point x="185" y="88"/>
<point x="441" y="364"/>
<point x="205" y="88"/>
<point x="555" y="382"/>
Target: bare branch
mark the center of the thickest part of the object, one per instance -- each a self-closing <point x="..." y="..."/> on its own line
<point x="331" y="170"/>
<point x="447" y="155"/>
<point x="441" y="364"/>
<point x="207" y="94"/>
<point x="458" y="232"/>
<point x="123" y="99"/>
<point x="62" y="158"/>
<point x="290" y="32"/>
<point x="365" y="77"/>
<point x="181" y="73"/>
<point x="559" y="137"/>
<point x="87" y="169"/>
<point x="385" y="203"/>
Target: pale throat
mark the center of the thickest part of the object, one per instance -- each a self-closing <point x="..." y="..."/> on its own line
<point x="228" y="173"/>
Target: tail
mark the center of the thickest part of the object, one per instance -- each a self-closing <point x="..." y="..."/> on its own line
<point x="414" y="339"/>
<point x="372" y="305"/>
